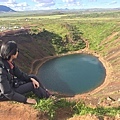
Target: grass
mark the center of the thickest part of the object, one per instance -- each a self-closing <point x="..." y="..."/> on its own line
<point x="82" y="109"/>
<point x="95" y="32"/>
<point x="49" y="107"/>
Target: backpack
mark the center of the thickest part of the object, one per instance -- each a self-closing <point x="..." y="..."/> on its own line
<point x="1" y="66"/>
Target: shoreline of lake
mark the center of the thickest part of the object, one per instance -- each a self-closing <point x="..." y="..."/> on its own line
<point x="106" y="65"/>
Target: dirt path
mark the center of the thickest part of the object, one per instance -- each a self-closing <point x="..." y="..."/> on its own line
<point x="108" y="39"/>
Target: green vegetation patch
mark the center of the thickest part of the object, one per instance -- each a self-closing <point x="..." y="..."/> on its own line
<point x="95" y="32"/>
<point x="50" y="107"/>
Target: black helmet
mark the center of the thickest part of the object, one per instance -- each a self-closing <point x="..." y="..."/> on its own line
<point x="7" y="49"/>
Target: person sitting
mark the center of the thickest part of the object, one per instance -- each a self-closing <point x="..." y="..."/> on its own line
<point x="14" y="83"/>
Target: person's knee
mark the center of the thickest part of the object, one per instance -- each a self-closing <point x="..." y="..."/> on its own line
<point x="34" y="76"/>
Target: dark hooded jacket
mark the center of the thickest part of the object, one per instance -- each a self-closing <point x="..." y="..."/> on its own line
<point x="7" y="79"/>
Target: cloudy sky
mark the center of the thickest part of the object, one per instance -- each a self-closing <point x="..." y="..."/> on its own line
<point x="22" y="5"/>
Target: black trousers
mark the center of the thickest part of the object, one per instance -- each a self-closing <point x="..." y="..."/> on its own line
<point x="27" y="87"/>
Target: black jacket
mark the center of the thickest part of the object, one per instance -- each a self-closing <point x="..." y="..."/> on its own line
<point x="6" y="81"/>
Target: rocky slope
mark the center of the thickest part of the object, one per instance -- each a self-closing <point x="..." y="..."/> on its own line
<point x="30" y="48"/>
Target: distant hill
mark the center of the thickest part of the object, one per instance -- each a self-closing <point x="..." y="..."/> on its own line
<point x="5" y="9"/>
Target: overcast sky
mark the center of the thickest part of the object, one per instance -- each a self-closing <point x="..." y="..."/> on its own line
<point x="22" y="5"/>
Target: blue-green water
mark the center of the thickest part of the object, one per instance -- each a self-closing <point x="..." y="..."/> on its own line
<point x="72" y="74"/>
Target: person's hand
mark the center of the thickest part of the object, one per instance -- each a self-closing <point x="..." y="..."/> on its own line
<point x="35" y="83"/>
<point x="31" y="101"/>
